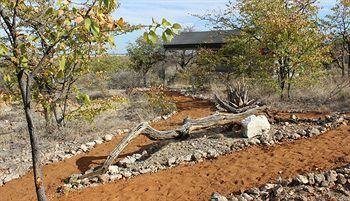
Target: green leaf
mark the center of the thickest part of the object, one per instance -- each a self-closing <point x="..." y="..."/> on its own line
<point x="107" y="3"/>
<point x="88" y="23"/>
<point x="24" y="61"/>
<point x="153" y="37"/>
<point x="62" y="63"/>
<point x="165" y="23"/>
<point x="177" y="26"/>
<point x="111" y="40"/>
<point x="164" y="37"/>
<point x="23" y="48"/>
<point x="145" y="37"/>
<point x="3" y="49"/>
<point x="95" y="30"/>
<point x="60" y="74"/>
<point x="49" y="11"/>
<point x="83" y="98"/>
<point x="169" y="34"/>
<point x="7" y="78"/>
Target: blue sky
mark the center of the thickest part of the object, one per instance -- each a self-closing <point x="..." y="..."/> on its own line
<point x="181" y="11"/>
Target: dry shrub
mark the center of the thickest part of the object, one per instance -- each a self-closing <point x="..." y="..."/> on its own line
<point x="329" y="93"/>
<point x="149" y="105"/>
<point x="125" y="79"/>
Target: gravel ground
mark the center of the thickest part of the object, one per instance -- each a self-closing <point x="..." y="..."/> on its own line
<point x="329" y="185"/>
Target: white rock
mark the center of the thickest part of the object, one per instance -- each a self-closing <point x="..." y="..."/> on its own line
<point x="137" y="156"/>
<point x="187" y="158"/>
<point x="113" y="169"/>
<point x="108" y="137"/>
<point x="212" y="153"/>
<point x="145" y="170"/>
<point x="103" y="178"/>
<point x="218" y="197"/>
<point x="247" y="197"/>
<point x="300" y="179"/>
<point x="84" y="148"/>
<point x="91" y="144"/>
<point x="255" y="125"/>
<point x="127" y="174"/>
<point x="171" y="161"/>
<point x="116" y="177"/>
<point x="127" y="160"/>
<point x="98" y="141"/>
<point x="11" y="177"/>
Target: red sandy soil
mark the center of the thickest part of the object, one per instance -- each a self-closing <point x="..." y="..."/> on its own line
<point x="233" y="172"/>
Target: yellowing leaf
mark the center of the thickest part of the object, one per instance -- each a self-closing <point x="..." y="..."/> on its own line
<point x="176" y="26"/>
<point x="120" y="22"/>
<point x="60" y="12"/>
<point x="62" y="64"/>
<point x="79" y="19"/>
<point x="3" y="49"/>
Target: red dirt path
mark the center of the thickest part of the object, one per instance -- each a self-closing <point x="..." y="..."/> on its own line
<point x="237" y="171"/>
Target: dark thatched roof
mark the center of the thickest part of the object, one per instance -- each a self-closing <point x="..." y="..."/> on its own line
<point x="195" y="40"/>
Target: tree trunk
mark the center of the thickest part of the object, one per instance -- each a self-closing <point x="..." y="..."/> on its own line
<point x="282" y="77"/>
<point x="348" y="61"/>
<point x="37" y="169"/>
<point x="47" y="117"/>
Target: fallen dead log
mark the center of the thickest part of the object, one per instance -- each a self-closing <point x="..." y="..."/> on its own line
<point x="212" y="121"/>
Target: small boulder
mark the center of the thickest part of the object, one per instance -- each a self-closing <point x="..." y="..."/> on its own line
<point x="212" y="153"/>
<point x="113" y="169"/>
<point x="341" y="179"/>
<point x="314" y="131"/>
<point x="218" y="197"/>
<point x="302" y="132"/>
<point x="331" y="176"/>
<point x="171" y="161"/>
<point x="311" y="177"/>
<point x="319" y="178"/>
<point x="127" y="174"/>
<point x="103" y="178"/>
<point x="91" y="144"/>
<point x="197" y="156"/>
<point x="84" y="148"/>
<point x="278" y="136"/>
<point x="127" y="160"/>
<point x="300" y="179"/>
<point x="247" y="197"/>
<point x="108" y="137"/>
<point x="98" y="141"/>
<point x="116" y="177"/>
<point x="255" y="126"/>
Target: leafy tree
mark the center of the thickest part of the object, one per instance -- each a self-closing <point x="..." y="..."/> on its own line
<point x="45" y="44"/>
<point x="143" y="56"/>
<point x="337" y="27"/>
<point x="287" y="42"/>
